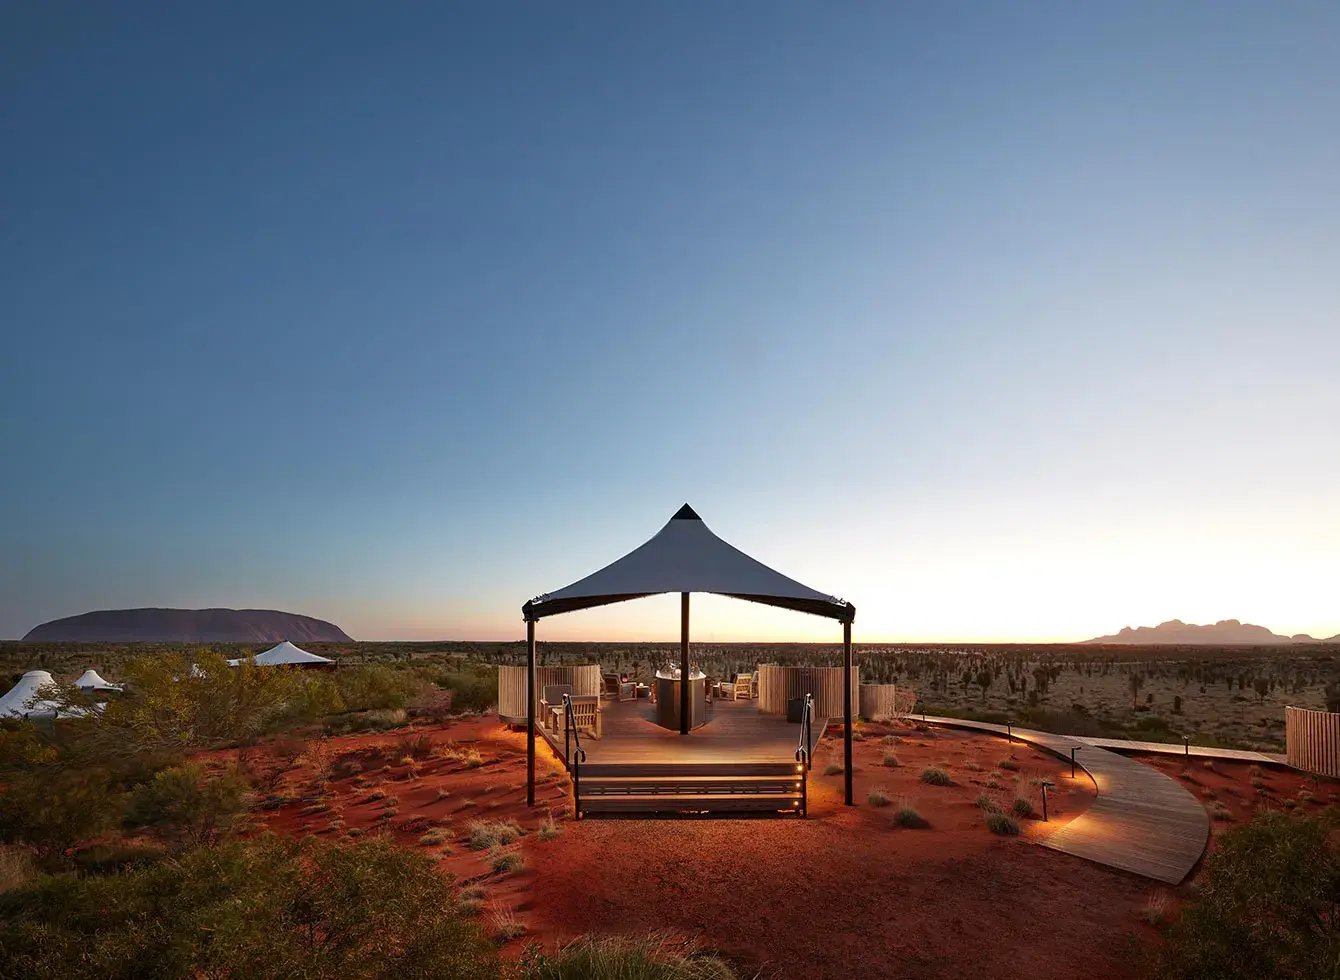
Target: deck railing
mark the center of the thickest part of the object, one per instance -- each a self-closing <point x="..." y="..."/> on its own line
<point x="574" y="753"/>
<point x="804" y="752"/>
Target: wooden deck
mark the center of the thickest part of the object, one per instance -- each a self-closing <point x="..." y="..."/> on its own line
<point x="1142" y="821"/>
<point x="736" y="733"/>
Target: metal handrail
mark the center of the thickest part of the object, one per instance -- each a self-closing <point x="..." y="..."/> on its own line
<point x="806" y="732"/>
<point x="574" y="752"/>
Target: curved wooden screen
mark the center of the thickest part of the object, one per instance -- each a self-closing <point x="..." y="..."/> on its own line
<point x="777" y="684"/>
<point x="1312" y="740"/>
<point x="584" y="678"/>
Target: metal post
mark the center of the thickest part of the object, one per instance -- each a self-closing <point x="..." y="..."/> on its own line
<point x="1045" y="786"/>
<point x="1186" y="740"/>
<point x="1072" y="761"/>
<point x="846" y="708"/>
<point x="683" y="663"/>
<point x="530" y="712"/>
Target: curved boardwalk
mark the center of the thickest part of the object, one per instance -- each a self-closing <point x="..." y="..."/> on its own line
<point x="1142" y="820"/>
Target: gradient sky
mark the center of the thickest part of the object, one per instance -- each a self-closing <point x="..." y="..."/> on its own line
<point x="1003" y="321"/>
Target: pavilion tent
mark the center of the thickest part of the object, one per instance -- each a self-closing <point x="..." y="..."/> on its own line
<point x="24" y="699"/>
<point x="686" y="557"/>
<point x="91" y="680"/>
<point x="285" y="654"/>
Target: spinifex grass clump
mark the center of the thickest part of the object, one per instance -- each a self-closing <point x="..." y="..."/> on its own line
<point x="891" y="760"/>
<point x="907" y="817"/>
<point x="1000" y="824"/>
<point x="879" y="796"/>
<point x="935" y="776"/>
<point x="484" y="834"/>
<point x="1022" y="807"/>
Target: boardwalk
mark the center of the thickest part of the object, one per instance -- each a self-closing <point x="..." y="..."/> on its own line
<point x="1142" y="820"/>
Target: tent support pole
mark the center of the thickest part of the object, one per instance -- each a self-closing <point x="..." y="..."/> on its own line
<point x="846" y="707"/>
<point x="683" y="663"/>
<point x="530" y="712"/>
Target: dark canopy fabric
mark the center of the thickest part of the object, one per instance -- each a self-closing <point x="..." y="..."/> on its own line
<point x="685" y="556"/>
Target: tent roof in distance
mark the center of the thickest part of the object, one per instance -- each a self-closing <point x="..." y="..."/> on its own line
<point x="287" y="653"/>
<point x="23" y="698"/>
<point x="91" y="680"/>
<point x="685" y="556"/>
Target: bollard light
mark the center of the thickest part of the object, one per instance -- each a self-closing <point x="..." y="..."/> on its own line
<point x="1072" y="760"/>
<point x="1046" y="785"/>
<point x="1186" y="740"/>
<point x="1009" y="730"/>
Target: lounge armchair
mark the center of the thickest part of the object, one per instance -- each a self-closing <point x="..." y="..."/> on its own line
<point x="618" y="688"/>
<point x="744" y="687"/>
<point x="551" y="706"/>
<point x="585" y="713"/>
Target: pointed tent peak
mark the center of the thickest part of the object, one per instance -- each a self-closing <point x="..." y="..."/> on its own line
<point x="287" y="653"/>
<point x="686" y="556"/>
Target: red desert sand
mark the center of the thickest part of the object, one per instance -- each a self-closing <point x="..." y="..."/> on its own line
<point x="844" y="893"/>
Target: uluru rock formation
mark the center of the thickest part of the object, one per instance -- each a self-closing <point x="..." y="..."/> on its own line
<point x="188" y="626"/>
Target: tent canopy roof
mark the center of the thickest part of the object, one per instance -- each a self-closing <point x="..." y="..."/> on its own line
<point x="685" y="556"/>
<point x="287" y="653"/>
<point x="91" y="680"/>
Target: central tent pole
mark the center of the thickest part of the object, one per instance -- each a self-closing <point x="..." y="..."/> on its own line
<point x="846" y="706"/>
<point x="683" y="663"/>
<point x="530" y="712"/>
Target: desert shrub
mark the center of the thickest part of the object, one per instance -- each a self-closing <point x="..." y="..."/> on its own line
<point x="549" y="828"/>
<point x="1000" y="824"/>
<point x="414" y="746"/>
<point x="988" y="803"/>
<point x="906" y="816"/>
<point x="471" y="689"/>
<point x="472" y="759"/>
<point x="17" y="868"/>
<point x="891" y="760"/>
<point x="1266" y="907"/>
<point x="1220" y="812"/>
<point x="935" y="776"/>
<point x="1008" y="764"/>
<point x="483" y="834"/>
<point x="184" y="802"/>
<point x="879" y="796"/>
<point x="620" y="958"/>
<point x="53" y="808"/>
<point x="187" y="701"/>
<point x="890" y="739"/>
<point x="1155" y="909"/>
<point x="1022" y="807"/>
<point x="373" y="686"/>
<point x="833" y="769"/>
<point x="266" y="908"/>
<point x="504" y="924"/>
<point x="504" y="862"/>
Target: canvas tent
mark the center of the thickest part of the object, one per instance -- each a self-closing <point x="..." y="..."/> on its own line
<point x="91" y="680"/>
<point x="287" y="655"/>
<point x="686" y="557"/>
<point x="24" y="699"/>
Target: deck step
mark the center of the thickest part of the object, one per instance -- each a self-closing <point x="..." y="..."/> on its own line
<point x="740" y="803"/>
<point x="595" y="770"/>
<point x="690" y="785"/>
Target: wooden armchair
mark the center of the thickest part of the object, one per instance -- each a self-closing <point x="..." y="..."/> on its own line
<point x="551" y="705"/>
<point x="744" y="687"/>
<point x="585" y="714"/>
<point x="618" y="688"/>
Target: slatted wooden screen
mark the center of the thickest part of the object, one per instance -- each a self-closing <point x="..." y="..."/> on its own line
<point x="1312" y="740"/>
<point x="584" y="678"/>
<point x="777" y="684"/>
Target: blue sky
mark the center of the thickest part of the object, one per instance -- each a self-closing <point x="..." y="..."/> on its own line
<point x="1002" y="321"/>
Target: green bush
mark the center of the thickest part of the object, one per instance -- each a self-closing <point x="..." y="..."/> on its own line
<point x="370" y="686"/>
<point x="618" y="958"/>
<point x="186" y="803"/>
<point x="1266" y="908"/>
<point x="267" y="908"/>
<point x="1000" y="824"/>
<point x="471" y="690"/>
